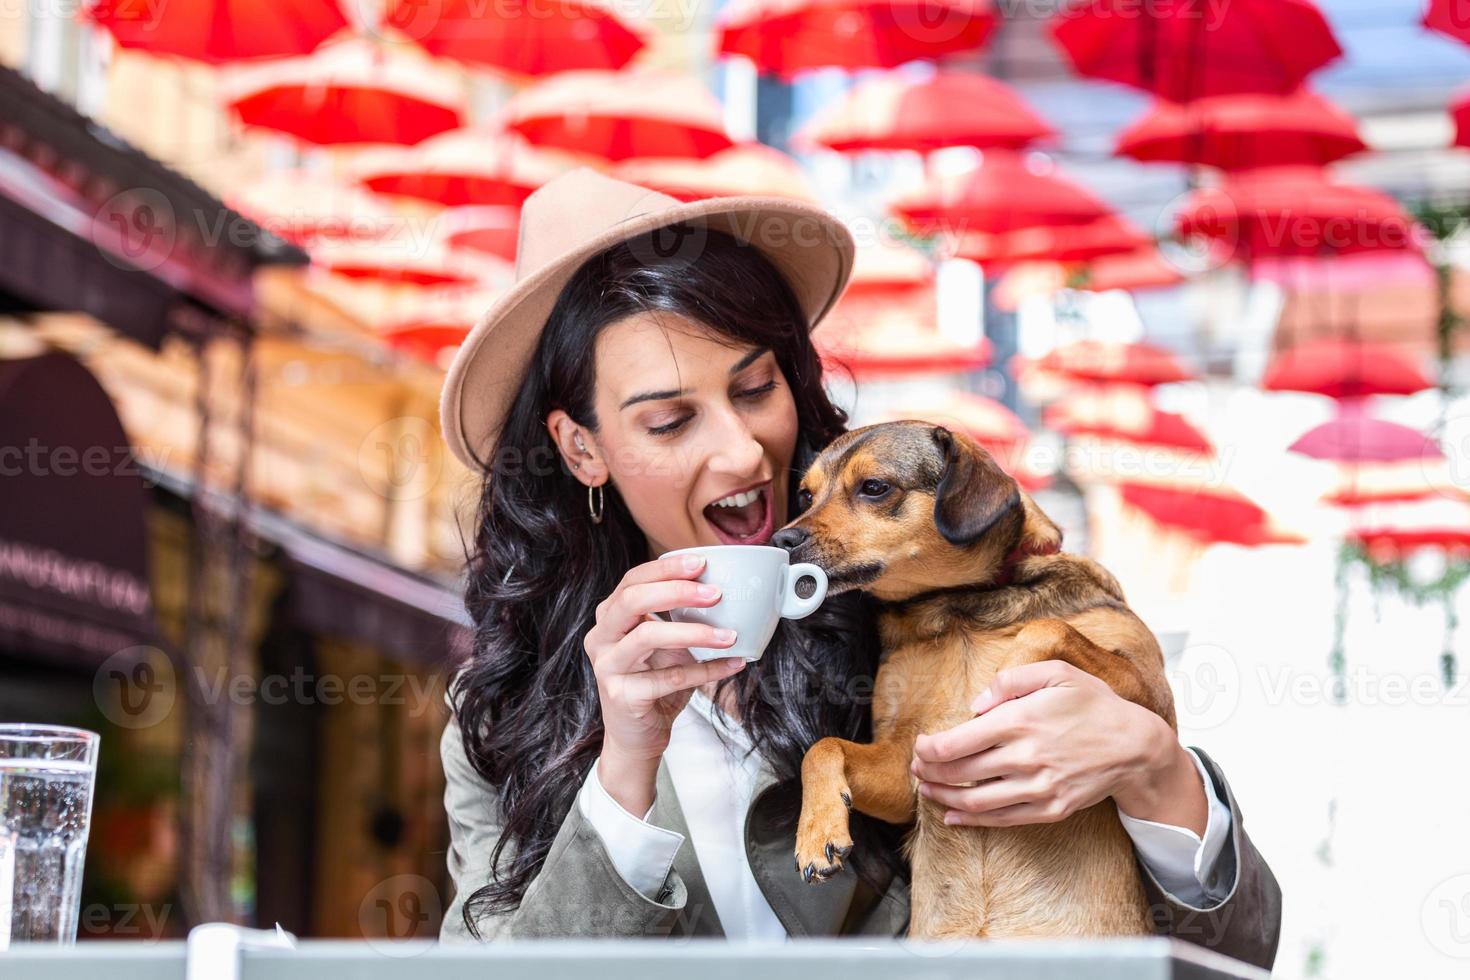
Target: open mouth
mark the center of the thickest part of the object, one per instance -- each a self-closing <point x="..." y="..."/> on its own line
<point x="750" y="522"/>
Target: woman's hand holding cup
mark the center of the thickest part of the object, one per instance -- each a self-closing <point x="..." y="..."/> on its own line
<point x="645" y="672"/>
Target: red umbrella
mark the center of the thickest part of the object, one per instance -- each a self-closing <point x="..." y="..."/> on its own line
<point x="893" y="338"/>
<point x="952" y="108"/>
<point x="622" y="114"/>
<point x="348" y="92"/>
<point x="407" y="263"/>
<point x="1295" y="211"/>
<point x="1355" y="438"/>
<point x="1005" y="193"/>
<point x="219" y="31"/>
<point x="1209" y="514"/>
<point x="1116" y="363"/>
<point x="1133" y="421"/>
<point x="1145" y="268"/>
<point x="785" y="37"/>
<point x="1182" y="50"/>
<point x="1394" y="531"/>
<point x="519" y="36"/>
<point x="1450" y="18"/>
<point x="886" y="268"/>
<point x="1235" y="132"/>
<point x="305" y="209"/>
<point x="439" y="323"/>
<point x="464" y="166"/>
<point x="749" y="168"/>
<point x="482" y="228"/>
<point x="1344" y="369"/>
<point x="1109" y="235"/>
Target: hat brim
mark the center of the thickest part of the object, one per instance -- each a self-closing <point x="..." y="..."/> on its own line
<point x="810" y="247"/>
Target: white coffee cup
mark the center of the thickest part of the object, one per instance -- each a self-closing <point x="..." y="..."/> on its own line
<point x="757" y="590"/>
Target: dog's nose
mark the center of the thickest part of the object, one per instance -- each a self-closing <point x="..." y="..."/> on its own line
<point x="790" y="538"/>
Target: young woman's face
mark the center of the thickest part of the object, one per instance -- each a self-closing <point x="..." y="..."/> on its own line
<point x="696" y="435"/>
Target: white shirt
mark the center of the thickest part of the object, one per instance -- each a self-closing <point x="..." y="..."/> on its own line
<point x="715" y="780"/>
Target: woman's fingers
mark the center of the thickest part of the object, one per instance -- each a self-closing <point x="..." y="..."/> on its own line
<point x="628" y="606"/>
<point x="629" y="653"/>
<point x="1016" y="815"/>
<point x="1003" y="760"/>
<point x="990" y="796"/>
<point x="650" y="685"/>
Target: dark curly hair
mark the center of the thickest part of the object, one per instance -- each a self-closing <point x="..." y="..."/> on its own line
<point x="527" y="699"/>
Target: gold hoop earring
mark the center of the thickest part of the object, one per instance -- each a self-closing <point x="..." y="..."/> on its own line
<point x="597" y="511"/>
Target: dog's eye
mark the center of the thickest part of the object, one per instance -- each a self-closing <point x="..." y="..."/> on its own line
<point x="873" y="488"/>
<point x="803" y="498"/>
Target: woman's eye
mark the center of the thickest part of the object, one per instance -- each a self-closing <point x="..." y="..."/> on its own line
<point x="873" y="488"/>
<point x="672" y="427"/>
<point x="757" y="392"/>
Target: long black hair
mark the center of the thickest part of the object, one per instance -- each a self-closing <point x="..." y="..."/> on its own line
<point x="527" y="699"/>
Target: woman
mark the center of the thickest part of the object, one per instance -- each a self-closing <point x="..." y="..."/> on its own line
<point x="649" y="384"/>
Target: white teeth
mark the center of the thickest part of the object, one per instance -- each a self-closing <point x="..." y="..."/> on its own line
<point x="738" y="499"/>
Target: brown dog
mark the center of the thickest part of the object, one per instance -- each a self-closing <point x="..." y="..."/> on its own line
<point x="972" y="582"/>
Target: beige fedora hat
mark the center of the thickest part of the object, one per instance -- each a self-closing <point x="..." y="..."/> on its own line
<point x="576" y="215"/>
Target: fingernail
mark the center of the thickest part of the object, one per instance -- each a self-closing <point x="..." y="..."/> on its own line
<point x="924" y="790"/>
<point x="735" y="662"/>
<point x="980" y="699"/>
<point x="709" y="591"/>
<point x="951" y="818"/>
<point x="691" y="562"/>
<point x="725" y="635"/>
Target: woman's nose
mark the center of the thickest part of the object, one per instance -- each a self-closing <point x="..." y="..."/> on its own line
<point x="737" y="450"/>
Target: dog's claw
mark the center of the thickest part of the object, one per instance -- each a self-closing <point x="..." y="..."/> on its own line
<point x="847" y="799"/>
<point x="831" y="852"/>
<point x="808" y="872"/>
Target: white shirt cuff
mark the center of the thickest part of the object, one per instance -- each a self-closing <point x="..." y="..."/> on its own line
<point x="640" y="851"/>
<point x="1189" y="868"/>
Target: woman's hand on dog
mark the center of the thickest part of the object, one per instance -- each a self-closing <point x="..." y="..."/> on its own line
<point x="1049" y="740"/>
<point x="645" y="672"/>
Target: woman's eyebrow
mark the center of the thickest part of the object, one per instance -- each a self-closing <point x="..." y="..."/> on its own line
<point x="650" y="396"/>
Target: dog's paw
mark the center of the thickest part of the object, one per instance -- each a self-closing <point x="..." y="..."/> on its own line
<point x="823" y="837"/>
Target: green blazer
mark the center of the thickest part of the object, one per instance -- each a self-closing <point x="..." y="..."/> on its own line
<point x="578" y="892"/>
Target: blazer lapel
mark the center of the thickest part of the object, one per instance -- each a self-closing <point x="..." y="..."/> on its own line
<point x="699" y="917"/>
<point x="815" y="909"/>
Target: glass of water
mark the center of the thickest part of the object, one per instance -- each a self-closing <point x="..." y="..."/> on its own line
<point x="46" y="777"/>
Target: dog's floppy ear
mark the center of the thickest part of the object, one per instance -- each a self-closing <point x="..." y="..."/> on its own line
<point x="973" y="494"/>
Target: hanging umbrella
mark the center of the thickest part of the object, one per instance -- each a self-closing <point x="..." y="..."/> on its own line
<point x="1179" y="50"/>
<point x="886" y="268"/>
<point x="408" y="263"/>
<point x="1460" y="111"/>
<point x="1208" y="514"/>
<point x="463" y="166"/>
<point x="1394" y="531"/>
<point x="748" y="168"/>
<point x="1236" y="132"/>
<point x="1292" y="211"/>
<point x="1354" y="437"/>
<point x="218" y="31"/>
<point x="439" y="323"/>
<point x="520" y="37"/>
<point x="1120" y="418"/>
<point x="1344" y="369"/>
<point x="618" y="115"/>
<point x="1111" y="234"/>
<point x="1116" y="363"/>
<point x="785" y="37"/>
<point x="1145" y="268"/>
<point x="488" y="229"/>
<point x="305" y="209"/>
<point x="893" y="338"/>
<point x="1005" y="193"/>
<point x="1449" y="18"/>
<point x="951" y="108"/>
<point x="350" y="91"/>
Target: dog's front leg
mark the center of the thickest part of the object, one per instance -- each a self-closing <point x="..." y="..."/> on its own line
<point x="837" y="775"/>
